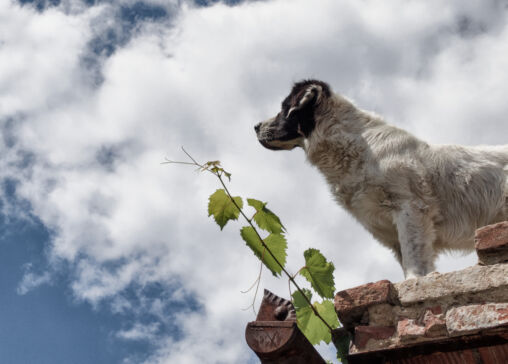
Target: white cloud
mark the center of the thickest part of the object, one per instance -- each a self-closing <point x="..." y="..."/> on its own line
<point x="32" y="280"/>
<point x="39" y="53"/>
<point x="121" y="219"/>
<point x="140" y="332"/>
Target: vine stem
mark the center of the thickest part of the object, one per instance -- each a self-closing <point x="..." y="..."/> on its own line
<point x="291" y="278"/>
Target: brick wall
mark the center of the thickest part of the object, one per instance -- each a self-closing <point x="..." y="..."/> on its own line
<point x="458" y="317"/>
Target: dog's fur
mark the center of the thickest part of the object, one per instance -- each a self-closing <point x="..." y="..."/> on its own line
<point x="417" y="199"/>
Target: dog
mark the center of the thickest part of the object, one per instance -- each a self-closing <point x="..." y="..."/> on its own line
<point x="415" y="198"/>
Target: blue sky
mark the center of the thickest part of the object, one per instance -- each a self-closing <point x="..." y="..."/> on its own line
<point x="109" y="256"/>
<point x="47" y="325"/>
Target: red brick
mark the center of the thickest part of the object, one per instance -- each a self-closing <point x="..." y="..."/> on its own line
<point x="365" y="333"/>
<point x="436" y="310"/>
<point x="352" y="303"/>
<point x="491" y="243"/>
<point x="473" y="318"/>
<point x="408" y="329"/>
<point x="434" y="322"/>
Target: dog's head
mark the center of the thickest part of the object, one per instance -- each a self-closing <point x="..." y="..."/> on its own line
<point x="296" y="120"/>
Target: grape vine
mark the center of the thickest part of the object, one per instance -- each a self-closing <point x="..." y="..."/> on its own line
<point x="317" y="320"/>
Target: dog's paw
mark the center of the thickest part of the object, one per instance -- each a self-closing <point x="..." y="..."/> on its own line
<point x="411" y="275"/>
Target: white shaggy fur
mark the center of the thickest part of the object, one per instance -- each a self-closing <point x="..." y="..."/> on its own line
<point x="417" y="199"/>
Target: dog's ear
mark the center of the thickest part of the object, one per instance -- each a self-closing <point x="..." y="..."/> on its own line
<point x="311" y="95"/>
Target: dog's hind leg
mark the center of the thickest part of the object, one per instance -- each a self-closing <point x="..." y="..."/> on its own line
<point x="416" y="237"/>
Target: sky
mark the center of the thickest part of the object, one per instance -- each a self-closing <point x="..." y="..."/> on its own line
<point x="107" y="255"/>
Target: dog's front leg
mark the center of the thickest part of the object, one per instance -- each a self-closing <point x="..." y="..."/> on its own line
<point x="416" y="237"/>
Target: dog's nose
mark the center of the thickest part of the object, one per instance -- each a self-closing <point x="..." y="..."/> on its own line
<point x="256" y="128"/>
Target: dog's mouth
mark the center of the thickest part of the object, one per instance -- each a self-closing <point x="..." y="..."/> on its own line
<point x="278" y="144"/>
<point x="269" y="146"/>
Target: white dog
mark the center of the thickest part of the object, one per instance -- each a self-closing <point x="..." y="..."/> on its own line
<point x="415" y="198"/>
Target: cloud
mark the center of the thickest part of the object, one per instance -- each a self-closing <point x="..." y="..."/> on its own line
<point x="32" y="280"/>
<point x="38" y="51"/>
<point x="140" y="332"/>
<point x="202" y="77"/>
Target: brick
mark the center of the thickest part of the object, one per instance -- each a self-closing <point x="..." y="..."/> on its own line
<point x="352" y="303"/>
<point x="381" y="315"/>
<point x="473" y="318"/>
<point x="491" y="243"/>
<point x="434" y="322"/>
<point x="474" y="284"/>
<point x="412" y="312"/>
<point x="365" y="333"/>
<point x="409" y="330"/>
<point x="436" y="310"/>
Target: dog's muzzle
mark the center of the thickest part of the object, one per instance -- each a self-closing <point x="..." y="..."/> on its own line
<point x="274" y="134"/>
<point x="264" y="143"/>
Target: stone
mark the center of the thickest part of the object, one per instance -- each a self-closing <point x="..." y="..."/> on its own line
<point x="409" y="330"/>
<point x="470" y="319"/>
<point x="413" y="312"/>
<point x="474" y="284"/>
<point x="352" y="303"/>
<point x="381" y="315"/>
<point x="365" y="333"/>
<point x="491" y="243"/>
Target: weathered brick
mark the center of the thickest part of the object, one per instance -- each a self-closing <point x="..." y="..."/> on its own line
<point x="352" y="303"/>
<point x="412" y="312"/>
<point x="434" y="322"/>
<point x="436" y="310"/>
<point x="381" y="315"/>
<point x="408" y="330"/>
<point x="365" y="333"/>
<point x="473" y="318"/>
<point x="473" y="284"/>
<point x="491" y="243"/>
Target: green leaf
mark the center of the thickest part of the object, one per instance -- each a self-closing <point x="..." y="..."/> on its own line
<point x="275" y="242"/>
<point x="327" y="311"/>
<point x="342" y="345"/>
<point x="311" y="325"/>
<point x="298" y="299"/>
<point x="319" y="273"/>
<point x="212" y="164"/>
<point x="265" y="218"/>
<point x="222" y="208"/>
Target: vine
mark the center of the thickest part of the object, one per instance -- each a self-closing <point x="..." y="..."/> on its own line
<point x="318" y="321"/>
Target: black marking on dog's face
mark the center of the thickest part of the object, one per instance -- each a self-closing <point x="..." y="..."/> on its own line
<point x="296" y="119"/>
